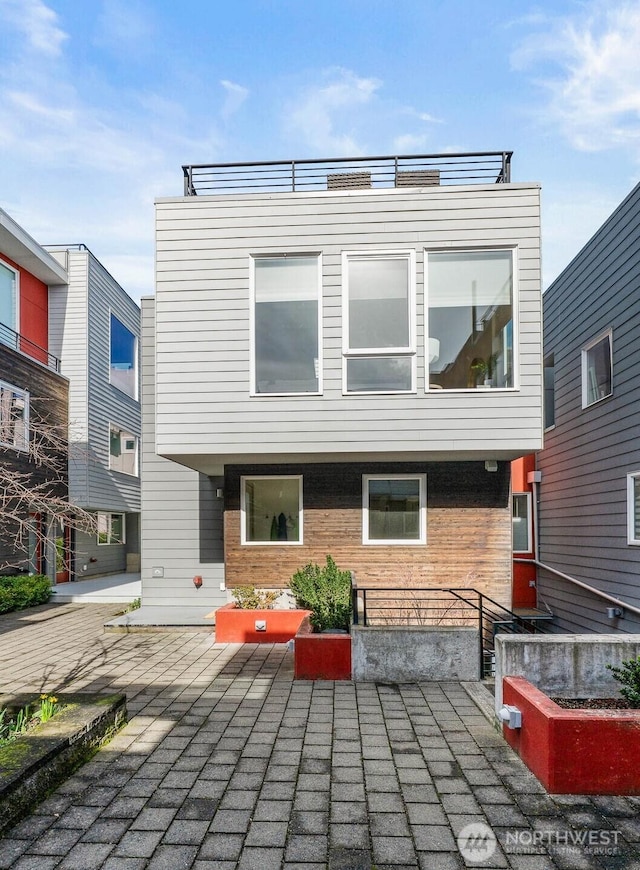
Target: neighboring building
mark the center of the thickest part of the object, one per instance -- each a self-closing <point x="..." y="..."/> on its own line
<point x="589" y="514"/>
<point x="33" y="396"/>
<point x="94" y="328"/>
<point x="342" y="358"/>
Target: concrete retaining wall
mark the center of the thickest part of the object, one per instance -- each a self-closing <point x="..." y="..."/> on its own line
<point x="404" y="654"/>
<point x="564" y="665"/>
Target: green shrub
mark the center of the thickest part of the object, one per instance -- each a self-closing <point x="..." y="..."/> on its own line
<point x="23" y="590"/>
<point x="326" y="592"/>
<point x="250" y="598"/>
<point x="629" y="676"/>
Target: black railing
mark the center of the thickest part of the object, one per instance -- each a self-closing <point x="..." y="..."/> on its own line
<point x="435" y="606"/>
<point x="14" y="340"/>
<point x="348" y="173"/>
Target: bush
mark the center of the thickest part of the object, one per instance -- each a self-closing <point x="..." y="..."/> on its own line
<point x="629" y="676"/>
<point x="326" y="592"/>
<point x="23" y="590"/>
<point x="250" y="598"/>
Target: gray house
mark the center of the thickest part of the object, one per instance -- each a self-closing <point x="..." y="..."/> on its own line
<point x="94" y="329"/>
<point x="589" y="495"/>
<point x="342" y="357"/>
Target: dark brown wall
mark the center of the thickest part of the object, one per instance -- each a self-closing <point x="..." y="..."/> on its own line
<point x="468" y="529"/>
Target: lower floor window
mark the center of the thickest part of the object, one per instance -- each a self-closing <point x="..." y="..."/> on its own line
<point x="394" y="509"/>
<point x="110" y="528"/>
<point x="521" y="522"/>
<point x="271" y="510"/>
<point x="123" y="451"/>
<point x="633" y="508"/>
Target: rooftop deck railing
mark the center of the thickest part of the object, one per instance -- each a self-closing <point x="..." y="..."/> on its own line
<point x="14" y="340"/>
<point x="340" y="173"/>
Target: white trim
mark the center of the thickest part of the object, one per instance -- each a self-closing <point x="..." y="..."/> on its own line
<point x="16" y="278"/>
<point x="111" y="543"/>
<point x="528" y="518"/>
<point x="243" y="513"/>
<point x="124" y="433"/>
<point x="631" y="539"/>
<point x="422" y="513"/>
<point x="608" y="333"/>
<point x="26" y="398"/>
<point x="136" y="345"/>
<point x="252" y="321"/>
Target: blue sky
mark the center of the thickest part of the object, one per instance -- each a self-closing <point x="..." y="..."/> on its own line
<point x="102" y="101"/>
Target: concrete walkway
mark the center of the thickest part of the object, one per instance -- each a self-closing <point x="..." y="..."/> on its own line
<point x="229" y="764"/>
<point x="112" y="589"/>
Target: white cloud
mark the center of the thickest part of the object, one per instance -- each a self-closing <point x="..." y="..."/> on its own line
<point x="37" y="22"/>
<point x="590" y="69"/>
<point x="409" y="143"/>
<point x="235" y="97"/>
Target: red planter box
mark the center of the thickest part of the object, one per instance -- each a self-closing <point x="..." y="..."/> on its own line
<point x="574" y="751"/>
<point x="321" y="656"/>
<point x="234" y="625"/>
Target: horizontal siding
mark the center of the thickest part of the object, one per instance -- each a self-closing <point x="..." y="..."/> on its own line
<point x="578" y="611"/>
<point x="589" y="452"/>
<point x="202" y="323"/>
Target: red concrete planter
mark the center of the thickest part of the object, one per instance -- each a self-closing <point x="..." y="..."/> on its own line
<point x="574" y="751"/>
<point x="321" y="656"/>
<point x="234" y="625"/>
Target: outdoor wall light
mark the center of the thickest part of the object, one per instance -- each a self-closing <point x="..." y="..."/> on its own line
<point x="491" y="465"/>
<point x="511" y="716"/>
<point x="614" y="612"/>
<point x="261" y="625"/>
<point x="197" y="581"/>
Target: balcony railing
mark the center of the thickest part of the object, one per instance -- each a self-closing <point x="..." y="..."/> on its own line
<point x="348" y="173"/>
<point x="14" y="340"/>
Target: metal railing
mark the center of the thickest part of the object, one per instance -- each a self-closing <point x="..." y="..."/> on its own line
<point x="435" y="606"/>
<point x="348" y="173"/>
<point x="15" y="341"/>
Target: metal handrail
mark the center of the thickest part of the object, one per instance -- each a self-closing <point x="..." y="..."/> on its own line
<point x="474" y="167"/>
<point x="20" y="343"/>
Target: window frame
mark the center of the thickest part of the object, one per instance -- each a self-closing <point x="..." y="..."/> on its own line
<point x="421" y="477"/>
<point x="515" y="316"/>
<point x="315" y="255"/>
<point x="124" y="432"/>
<point x="410" y="351"/>
<point x="632" y="541"/>
<point x="243" y="511"/>
<point x="528" y="499"/>
<point x="110" y="542"/>
<point x="546" y="391"/>
<point x="15" y="326"/>
<point x="606" y="334"/>
<point x="24" y="446"/>
<point x="136" y="352"/>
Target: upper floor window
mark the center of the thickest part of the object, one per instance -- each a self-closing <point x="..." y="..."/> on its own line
<point x="549" y="375"/>
<point x="123" y="358"/>
<point x="597" y="370"/>
<point x="271" y="509"/>
<point x="470" y="320"/>
<point x="379" y="322"/>
<point x="394" y="508"/>
<point x="123" y="451"/>
<point x="14" y="417"/>
<point x="8" y="302"/>
<point x="111" y="528"/>
<point x="521" y="518"/>
<point x="286" y="325"/>
<point x="633" y="508"/>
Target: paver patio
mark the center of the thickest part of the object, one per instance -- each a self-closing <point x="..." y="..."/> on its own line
<point x="228" y="763"/>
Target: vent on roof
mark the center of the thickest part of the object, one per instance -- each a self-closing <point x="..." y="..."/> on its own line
<point x="418" y="178"/>
<point x="348" y="180"/>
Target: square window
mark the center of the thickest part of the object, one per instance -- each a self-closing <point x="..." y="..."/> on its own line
<point x="597" y="370"/>
<point x="633" y="508"/>
<point x="271" y="510"/>
<point x="521" y="518"/>
<point x="111" y="528"/>
<point x="123" y="358"/>
<point x="394" y="509"/>
<point x="123" y="451"/>
<point x="14" y="417"/>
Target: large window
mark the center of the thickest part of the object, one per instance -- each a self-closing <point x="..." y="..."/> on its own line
<point x="271" y="509"/>
<point x="470" y="321"/>
<point x="394" y="508"/>
<point x="124" y="352"/>
<point x="14" y="417"/>
<point x="633" y="508"/>
<point x="286" y="325"/>
<point x="549" y="374"/>
<point x="379" y="333"/>
<point x="111" y="528"/>
<point x="597" y="370"/>
<point x="8" y="302"/>
<point x="123" y="451"/>
<point x="521" y="502"/>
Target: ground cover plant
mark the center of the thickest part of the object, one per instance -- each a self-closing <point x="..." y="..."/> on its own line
<point x="250" y="598"/>
<point x="23" y="590"/>
<point x="629" y="676"/>
<point x="15" y="724"/>
<point x="326" y="592"/>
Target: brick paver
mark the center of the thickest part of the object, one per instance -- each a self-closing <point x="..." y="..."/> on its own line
<point x="227" y="763"/>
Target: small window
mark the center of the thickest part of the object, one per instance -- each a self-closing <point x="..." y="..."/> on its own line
<point x="271" y="509"/>
<point x="521" y="522"/>
<point x="124" y="352"/>
<point x="286" y="325"/>
<point x="549" y="376"/>
<point x="597" y="370"/>
<point x="379" y="334"/>
<point x="394" y="509"/>
<point x="14" y="417"/>
<point x="123" y="451"/>
<point x="110" y="528"/>
<point x="8" y="304"/>
<point x="633" y="508"/>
